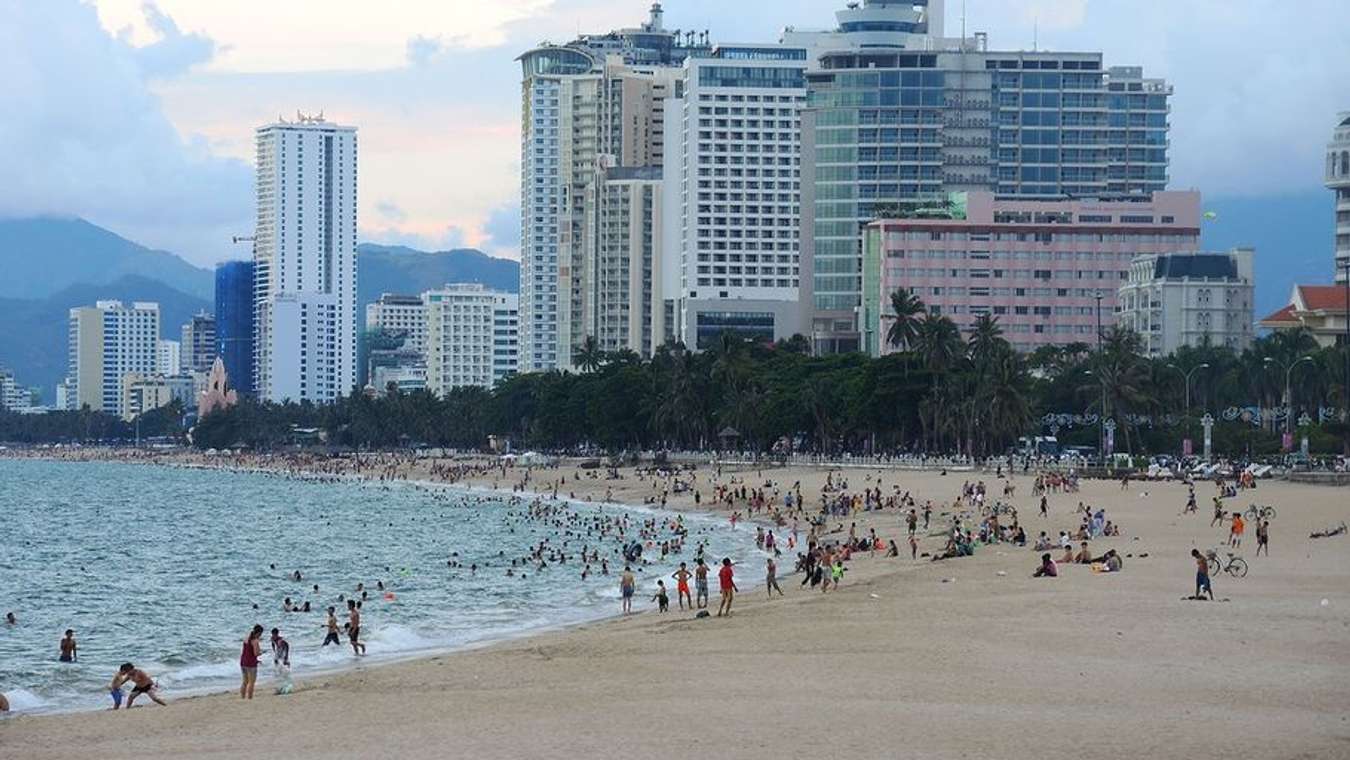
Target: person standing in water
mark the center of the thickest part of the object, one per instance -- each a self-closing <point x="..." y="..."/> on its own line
<point x="70" y="651"/>
<point x="354" y="627"/>
<point x="248" y="662"/>
<point x="627" y="585"/>
<point x="332" y="625"/>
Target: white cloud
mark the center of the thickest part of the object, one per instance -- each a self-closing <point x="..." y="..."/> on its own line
<point x="83" y="135"/>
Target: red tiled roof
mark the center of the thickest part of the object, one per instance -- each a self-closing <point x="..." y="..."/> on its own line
<point x="1283" y="316"/>
<point x="1322" y="297"/>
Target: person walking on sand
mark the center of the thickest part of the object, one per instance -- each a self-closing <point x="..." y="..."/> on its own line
<point x="248" y="663"/>
<point x="682" y="595"/>
<point x="1235" y="532"/>
<point x="701" y="583"/>
<point x="70" y="652"/>
<point x="1201" y="576"/>
<point x="142" y="683"/>
<point x="627" y="584"/>
<point x="354" y="627"/>
<point x="771" y="577"/>
<point x="1263" y="538"/>
<point x="727" y="583"/>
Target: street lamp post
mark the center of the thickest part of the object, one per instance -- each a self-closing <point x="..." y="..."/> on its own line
<point x="1288" y="392"/>
<point x="1188" y="375"/>
<point x="1101" y="438"/>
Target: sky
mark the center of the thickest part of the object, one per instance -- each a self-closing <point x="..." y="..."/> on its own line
<point x="139" y="116"/>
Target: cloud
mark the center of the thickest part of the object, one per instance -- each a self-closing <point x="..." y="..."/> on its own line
<point x="443" y="239"/>
<point x="174" y="52"/>
<point x="84" y="135"/>
<point x="502" y="229"/>
<point x="422" y="49"/>
<point x="391" y="211"/>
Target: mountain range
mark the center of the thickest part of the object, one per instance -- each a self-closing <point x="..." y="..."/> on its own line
<point x="52" y="264"/>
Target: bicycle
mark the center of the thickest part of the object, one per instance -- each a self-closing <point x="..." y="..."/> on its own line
<point x="1260" y="513"/>
<point x="1236" y="567"/>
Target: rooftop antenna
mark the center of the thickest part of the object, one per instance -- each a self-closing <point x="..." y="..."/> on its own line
<point x="963" y="24"/>
<point x="1036" y="33"/>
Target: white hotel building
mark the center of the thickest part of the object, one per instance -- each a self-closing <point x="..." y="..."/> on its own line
<point x="108" y="341"/>
<point x="305" y="256"/>
<point x="395" y="313"/>
<point x="733" y="194"/>
<point x="471" y="336"/>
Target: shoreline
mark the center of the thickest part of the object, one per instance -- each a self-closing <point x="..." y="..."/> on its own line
<point x="965" y="657"/>
<point x="410" y="656"/>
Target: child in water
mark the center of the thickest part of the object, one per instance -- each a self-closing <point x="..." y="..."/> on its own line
<point x="661" y="599"/>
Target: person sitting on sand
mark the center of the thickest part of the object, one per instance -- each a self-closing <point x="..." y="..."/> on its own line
<point x="1084" y="557"/>
<point x="1043" y="542"/>
<point x="1067" y="559"/>
<point x="1047" y="568"/>
<point x="1113" y="562"/>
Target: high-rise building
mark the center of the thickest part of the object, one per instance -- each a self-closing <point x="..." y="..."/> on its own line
<point x="1049" y="271"/>
<point x="589" y="106"/>
<point x="198" y="350"/>
<point x="733" y="172"/>
<point x="472" y="336"/>
<point x="13" y="397"/>
<point x="1189" y="299"/>
<point x="107" y="341"/>
<point x="896" y="114"/>
<point x="145" y="393"/>
<point x="404" y="316"/>
<point x="305" y="257"/>
<point x="234" y="323"/>
<point x="623" y="303"/>
<point x="1338" y="181"/>
<point x="170" y="358"/>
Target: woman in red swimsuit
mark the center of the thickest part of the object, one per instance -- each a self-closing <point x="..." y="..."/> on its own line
<point x="248" y="661"/>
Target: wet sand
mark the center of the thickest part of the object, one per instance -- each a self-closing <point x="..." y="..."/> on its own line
<point x="907" y="659"/>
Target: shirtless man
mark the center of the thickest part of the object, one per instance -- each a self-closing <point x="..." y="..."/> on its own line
<point x="701" y="583"/>
<point x="682" y="577"/>
<point x="142" y="683"/>
<point x="70" y="652"/>
<point x="627" y="585"/>
<point x="332" y="636"/>
<point x="354" y="628"/>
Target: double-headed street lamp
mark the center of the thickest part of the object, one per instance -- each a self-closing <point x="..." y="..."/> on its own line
<point x="1288" y="393"/>
<point x="1188" y="376"/>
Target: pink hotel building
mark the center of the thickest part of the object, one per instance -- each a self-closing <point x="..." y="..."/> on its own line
<point x="1038" y="266"/>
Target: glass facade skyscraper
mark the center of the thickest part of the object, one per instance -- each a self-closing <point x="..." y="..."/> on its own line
<point x="234" y="322"/>
<point x="908" y="119"/>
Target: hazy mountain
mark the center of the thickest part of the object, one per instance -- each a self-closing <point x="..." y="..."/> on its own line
<point x="49" y="264"/>
<point x="41" y="256"/>
<point x="35" y="343"/>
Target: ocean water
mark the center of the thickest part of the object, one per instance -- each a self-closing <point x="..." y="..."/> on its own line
<point x="163" y="567"/>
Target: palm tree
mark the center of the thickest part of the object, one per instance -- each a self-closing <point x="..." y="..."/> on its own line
<point x="588" y="355"/>
<point x="938" y="340"/>
<point x="986" y="340"/>
<point x="905" y="310"/>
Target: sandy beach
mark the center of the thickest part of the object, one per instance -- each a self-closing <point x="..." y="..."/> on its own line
<point x="968" y="657"/>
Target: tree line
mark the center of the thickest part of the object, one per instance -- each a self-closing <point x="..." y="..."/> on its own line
<point x="940" y="390"/>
